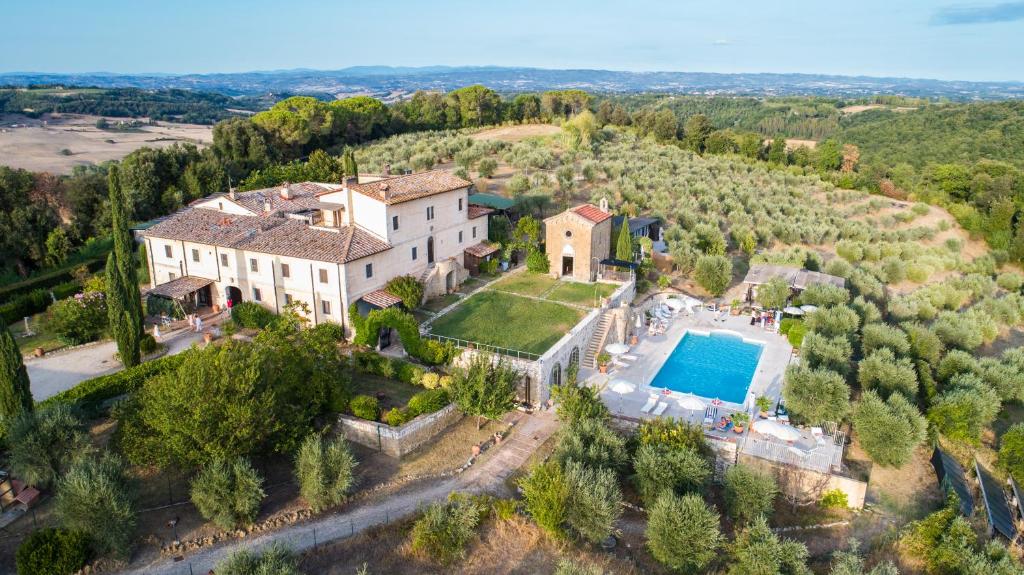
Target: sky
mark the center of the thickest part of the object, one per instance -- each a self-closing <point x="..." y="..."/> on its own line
<point x="905" y="38"/>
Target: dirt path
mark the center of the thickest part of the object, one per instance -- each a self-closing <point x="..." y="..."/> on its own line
<point x="530" y="433"/>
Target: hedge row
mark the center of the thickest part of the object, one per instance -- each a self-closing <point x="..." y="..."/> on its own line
<point x="90" y="395"/>
<point x="48" y="280"/>
<point x="36" y="301"/>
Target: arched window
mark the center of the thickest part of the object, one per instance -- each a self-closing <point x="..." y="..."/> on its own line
<point x="574" y="358"/>
<point x="556" y="375"/>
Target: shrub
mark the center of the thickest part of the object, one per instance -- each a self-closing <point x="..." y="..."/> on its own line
<point x="881" y="371"/>
<point x="444" y="530"/>
<point x="428" y="401"/>
<point x="272" y="560"/>
<point x="93" y="498"/>
<point x="683" y="532"/>
<point x="816" y="395"/>
<point x="837" y="321"/>
<point x="956" y="362"/>
<point x="924" y="344"/>
<point x="774" y="293"/>
<point x="821" y="294"/>
<point x="430" y="380"/>
<point x="595" y="501"/>
<point x="537" y="262"/>
<point x="408" y="288"/>
<point x="90" y="395"/>
<point x="505" y="509"/>
<point x="713" y="273"/>
<point x="43" y="444"/>
<point x="486" y="388"/>
<point x="749" y="493"/>
<point x="546" y="496"/>
<point x="570" y="567"/>
<point x="672" y="433"/>
<point x="365" y="407"/>
<point x="757" y="550"/>
<point x="51" y="551"/>
<point x="80" y="319"/>
<point x="406" y="372"/>
<point x="324" y="471"/>
<point x="228" y="493"/>
<point x="1010" y="281"/>
<point x="678" y="470"/>
<point x="396" y="417"/>
<point x="251" y="315"/>
<point x="889" y="430"/>
<point x="20" y="305"/>
<point x="591" y="443"/>
<point x="834" y="499"/>
<point x="576" y="403"/>
<point x="147" y="344"/>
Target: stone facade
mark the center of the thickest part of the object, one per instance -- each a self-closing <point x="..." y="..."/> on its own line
<point x="398" y="441"/>
<point x="576" y="242"/>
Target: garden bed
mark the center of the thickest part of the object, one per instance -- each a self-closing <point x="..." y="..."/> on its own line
<point x="508" y="321"/>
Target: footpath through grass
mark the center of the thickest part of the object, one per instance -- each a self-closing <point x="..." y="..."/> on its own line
<point x="508" y="321"/>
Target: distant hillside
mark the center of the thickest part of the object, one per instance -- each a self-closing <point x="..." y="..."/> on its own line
<point x="390" y="83"/>
<point x="171" y="105"/>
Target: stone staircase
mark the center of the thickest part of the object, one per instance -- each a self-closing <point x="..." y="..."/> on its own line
<point x="597" y="340"/>
<point x="426" y="273"/>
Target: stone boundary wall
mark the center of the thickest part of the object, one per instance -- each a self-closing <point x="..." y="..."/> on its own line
<point x="398" y="441"/>
<point x="855" y="490"/>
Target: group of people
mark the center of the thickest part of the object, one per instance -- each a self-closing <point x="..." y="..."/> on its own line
<point x="195" y="322"/>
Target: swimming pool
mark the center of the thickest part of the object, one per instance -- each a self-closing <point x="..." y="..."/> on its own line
<point x="719" y="365"/>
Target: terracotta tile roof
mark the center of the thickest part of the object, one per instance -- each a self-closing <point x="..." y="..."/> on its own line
<point x="398" y="189"/>
<point x="381" y="299"/>
<point x="592" y="213"/>
<point x="481" y="250"/>
<point x="303" y="197"/>
<point x="270" y="235"/>
<point x="478" y="211"/>
<point x="180" y="287"/>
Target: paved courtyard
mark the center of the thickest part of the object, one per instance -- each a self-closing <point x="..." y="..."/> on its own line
<point x="652" y="351"/>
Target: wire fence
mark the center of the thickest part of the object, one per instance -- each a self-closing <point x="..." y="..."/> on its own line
<point x="468" y="344"/>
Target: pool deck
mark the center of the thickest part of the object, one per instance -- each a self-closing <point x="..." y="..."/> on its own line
<point x="652" y="352"/>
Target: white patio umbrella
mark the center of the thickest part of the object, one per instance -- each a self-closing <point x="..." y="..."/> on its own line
<point x="639" y="320"/>
<point x="691" y="402"/>
<point x="777" y="429"/>
<point x="809" y="308"/>
<point x="621" y="386"/>
<point x="793" y="311"/>
<point x="616" y="348"/>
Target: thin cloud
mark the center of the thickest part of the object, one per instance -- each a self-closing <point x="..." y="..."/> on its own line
<point x="722" y="42"/>
<point x="961" y="14"/>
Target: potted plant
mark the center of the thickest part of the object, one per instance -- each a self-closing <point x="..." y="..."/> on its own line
<point x="763" y="403"/>
<point x="739" y="421"/>
<point x="603" y="359"/>
<point x="634" y="339"/>
<point x="734" y="307"/>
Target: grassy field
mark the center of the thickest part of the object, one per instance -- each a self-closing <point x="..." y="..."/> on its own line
<point x="526" y="283"/>
<point x="581" y="293"/>
<point x="43" y="337"/>
<point x="508" y="321"/>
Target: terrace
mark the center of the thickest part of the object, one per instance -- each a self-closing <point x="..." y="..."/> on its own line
<point x="627" y="391"/>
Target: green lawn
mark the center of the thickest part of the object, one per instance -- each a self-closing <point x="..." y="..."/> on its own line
<point x="525" y="283"/>
<point x="43" y="337"/>
<point x="508" y="321"/>
<point x="397" y="392"/>
<point x="436" y="304"/>
<point x="581" y="293"/>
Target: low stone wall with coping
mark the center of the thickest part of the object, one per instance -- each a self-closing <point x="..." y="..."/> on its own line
<point x="398" y="441"/>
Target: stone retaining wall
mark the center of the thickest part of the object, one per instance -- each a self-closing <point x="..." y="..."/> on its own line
<point x="397" y="441"/>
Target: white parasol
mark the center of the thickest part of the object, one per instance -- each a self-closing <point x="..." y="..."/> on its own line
<point x="809" y="308"/>
<point x="777" y="429"/>
<point x="616" y="348"/>
<point x="793" y="311"/>
<point x="691" y="402"/>
<point x="621" y="386"/>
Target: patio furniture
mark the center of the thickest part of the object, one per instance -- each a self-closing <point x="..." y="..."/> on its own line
<point x="616" y="348"/>
<point x="619" y="363"/>
<point x="652" y="400"/>
<point x="691" y="402"/>
<point x="622" y="386"/>
<point x="776" y="429"/>
<point x="629" y="357"/>
<point x="660" y="409"/>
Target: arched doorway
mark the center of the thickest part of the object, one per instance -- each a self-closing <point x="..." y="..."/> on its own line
<point x="568" y="259"/>
<point x="430" y="250"/>
<point x="556" y="375"/>
<point x="233" y="295"/>
<point x="449" y="282"/>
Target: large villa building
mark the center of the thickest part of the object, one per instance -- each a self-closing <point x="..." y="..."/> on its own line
<point x="325" y="244"/>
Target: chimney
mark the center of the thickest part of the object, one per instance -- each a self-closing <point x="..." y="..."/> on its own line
<point x="384" y="190"/>
<point x="286" y="191"/>
<point x="604" y="205"/>
<point x="266" y="204"/>
<point x="231" y="193"/>
<point x="387" y="170"/>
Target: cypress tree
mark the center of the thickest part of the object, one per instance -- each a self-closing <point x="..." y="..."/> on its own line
<point x="624" y="244"/>
<point x="15" y="393"/>
<point x="349" y="164"/>
<point x="124" y="304"/>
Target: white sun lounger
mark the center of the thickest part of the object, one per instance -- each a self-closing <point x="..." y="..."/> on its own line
<point x="619" y="363"/>
<point x="652" y="400"/>
<point x="629" y="357"/>
<point x="660" y="409"/>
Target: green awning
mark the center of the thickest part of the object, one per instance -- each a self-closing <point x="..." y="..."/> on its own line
<point x="491" y="201"/>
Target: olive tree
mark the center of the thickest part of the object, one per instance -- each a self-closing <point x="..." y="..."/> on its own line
<point x="683" y="532"/>
<point x="831" y="353"/>
<point x="713" y="273"/>
<point x="758" y="550"/>
<point x="883" y="372"/>
<point x="324" y="471"/>
<point x="678" y="470"/>
<point x="228" y="493"/>
<point x="749" y="493"/>
<point x="889" y="430"/>
<point x="964" y="409"/>
<point x="816" y="395"/>
<point x="774" y="293"/>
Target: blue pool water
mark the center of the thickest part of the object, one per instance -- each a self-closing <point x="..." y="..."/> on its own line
<point x="713" y="366"/>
